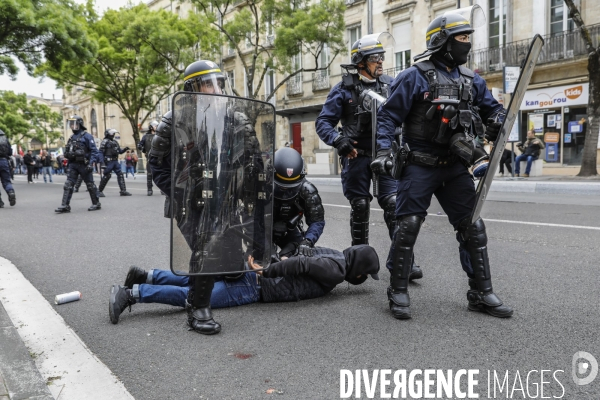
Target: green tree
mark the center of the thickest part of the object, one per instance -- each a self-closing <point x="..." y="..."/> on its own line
<point x="141" y="55"/>
<point x="45" y="123"/>
<point x="271" y="34"/>
<point x="13" y="119"/>
<point x="34" y="31"/>
<point x="590" y="155"/>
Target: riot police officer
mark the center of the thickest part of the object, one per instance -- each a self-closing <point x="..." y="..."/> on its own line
<point x="295" y="197"/>
<point x="110" y="150"/>
<point x="81" y="152"/>
<point x="204" y="77"/>
<point x="354" y="142"/>
<point x="144" y="145"/>
<point x="5" y="169"/>
<point x="439" y="146"/>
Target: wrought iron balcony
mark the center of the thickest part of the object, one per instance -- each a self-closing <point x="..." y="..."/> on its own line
<point x="294" y="85"/>
<point x="394" y="71"/>
<point x="320" y="80"/>
<point x="558" y="47"/>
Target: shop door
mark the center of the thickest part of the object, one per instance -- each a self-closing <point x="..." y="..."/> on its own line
<point x="297" y="137"/>
<point x="575" y="126"/>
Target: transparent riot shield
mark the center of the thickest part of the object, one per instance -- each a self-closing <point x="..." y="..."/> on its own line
<point x="222" y="183"/>
<point x="512" y="113"/>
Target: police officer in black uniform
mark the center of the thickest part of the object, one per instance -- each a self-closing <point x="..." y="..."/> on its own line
<point x="205" y="77"/>
<point x="81" y="152"/>
<point x="5" y="169"/>
<point x="110" y="150"/>
<point x="295" y="197"/>
<point x="440" y="144"/>
<point x="354" y="142"/>
<point x="144" y="145"/>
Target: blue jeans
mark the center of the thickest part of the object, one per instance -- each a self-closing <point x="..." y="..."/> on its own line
<point x="168" y="288"/>
<point x="129" y="170"/>
<point x="47" y="170"/>
<point x="523" y="157"/>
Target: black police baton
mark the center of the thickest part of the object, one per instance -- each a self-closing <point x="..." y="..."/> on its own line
<point x="372" y="100"/>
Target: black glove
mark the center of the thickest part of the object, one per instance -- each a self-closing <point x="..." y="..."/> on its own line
<point x="344" y="145"/>
<point x="89" y="168"/>
<point x="289" y="250"/>
<point x="382" y="164"/>
<point x="126" y="148"/>
<point x="492" y="130"/>
<point x="305" y="248"/>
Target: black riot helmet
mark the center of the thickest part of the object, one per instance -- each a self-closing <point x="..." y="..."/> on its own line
<point x="205" y="77"/>
<point x="152" y="126"/>
<point x="289" y="173"/>
<point x="110" y="133"/>
<point x="448" y="25"/>
<point x="75" y="123"/>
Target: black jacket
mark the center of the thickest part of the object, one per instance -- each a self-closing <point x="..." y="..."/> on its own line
<point x="301" y="278"/>
<point x="28" y="160"/>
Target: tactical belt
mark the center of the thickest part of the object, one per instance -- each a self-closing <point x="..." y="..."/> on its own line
<point x="427" y="160"/>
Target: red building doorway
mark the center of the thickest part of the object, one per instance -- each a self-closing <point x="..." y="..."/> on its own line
<point x="297" y="137"/>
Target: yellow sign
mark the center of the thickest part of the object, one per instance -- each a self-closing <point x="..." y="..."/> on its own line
<point x="552" y="137"/>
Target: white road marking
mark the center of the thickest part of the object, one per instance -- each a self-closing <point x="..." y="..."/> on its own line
<point x="60" y="352"/>
<point x="594" y="228"/>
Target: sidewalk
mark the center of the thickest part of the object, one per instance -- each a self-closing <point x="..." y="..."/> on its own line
<point x="549" y="184"/>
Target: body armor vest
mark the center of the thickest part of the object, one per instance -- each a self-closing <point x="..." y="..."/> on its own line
<point x="76" y="149"/>
<point x="110" y="149"/>
<point x="356" y="122"/>
<point x="417" y="124"/>
<point x="4" y="147"/>
<point x="147" y="143"/>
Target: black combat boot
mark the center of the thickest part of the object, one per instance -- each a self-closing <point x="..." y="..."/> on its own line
<point x="149" y="192"/>
<point x="135" y="276"/>
<point x="67" y="193"/>
<point x="12" y="199"/>
<point x="92" y="191"/>
<point x="103" y="181"/>
<point x="405" y="236"/>
<point x="121" y="182"/>
<point x="201" y="320"/>
<point x="481" y="295"/>
<point x="120" y="299"/>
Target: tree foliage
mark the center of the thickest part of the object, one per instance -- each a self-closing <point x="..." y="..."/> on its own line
<point x="269" y="34"/>
<point x="590" y="155"/>
<point x="34" y="31"/>
<point x="22" y="120"/>
<point x="140" y="56"/>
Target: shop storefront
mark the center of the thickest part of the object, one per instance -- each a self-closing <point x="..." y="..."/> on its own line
<point x="557" y="115"/>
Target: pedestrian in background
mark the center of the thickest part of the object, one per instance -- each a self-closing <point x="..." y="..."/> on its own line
<point x="531" y="151"/>
<point x="30" y="164"/>
<point x="129" y="165"/>
<point x="46" y="161"/>
<point x="38" y="166"/>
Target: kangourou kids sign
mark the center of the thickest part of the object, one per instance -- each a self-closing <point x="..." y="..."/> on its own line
<point x="560" y="96"/>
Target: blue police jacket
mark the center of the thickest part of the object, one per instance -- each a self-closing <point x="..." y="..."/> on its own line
<point x="411" y="84"/>
<point x="92" y="153"/>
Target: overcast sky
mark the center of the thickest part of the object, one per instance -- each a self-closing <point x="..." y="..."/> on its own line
<point x="32" y="86"/>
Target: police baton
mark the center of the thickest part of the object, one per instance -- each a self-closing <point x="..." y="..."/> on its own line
<point x="371" y="101"/>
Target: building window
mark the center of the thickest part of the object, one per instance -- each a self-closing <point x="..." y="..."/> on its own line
<point x="353" y="36"/>
<point x="497" y="23"/>
<point x="270" y="85"/>
<point x="559" y="17"/>
<point x="324" y="57"/>
<point x="94" y="123"/>
<point x="402" y="33"/>
<point x="231" y="78"/>
<point x="169" y="100"/>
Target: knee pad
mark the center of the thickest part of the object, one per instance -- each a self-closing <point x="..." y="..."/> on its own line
<point x="360" y="209"/>
<point x="90" y="186"/>
<point x="407" y="230"/>
<point x="474" y="235"/>
<point x="68" y="185"/>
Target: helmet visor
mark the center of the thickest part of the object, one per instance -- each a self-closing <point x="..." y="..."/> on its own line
<point x="474" y="14"/>
<point x="212" y="84"/>
<point x="73" y="124"/>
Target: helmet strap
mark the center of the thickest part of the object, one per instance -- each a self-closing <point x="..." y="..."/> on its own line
<point x="366" y="69"/>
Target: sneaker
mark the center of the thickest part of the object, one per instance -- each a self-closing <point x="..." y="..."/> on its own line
<point x="525" y="175"/>
<point x="120" y="299"/>
<point x="135" y="276"/>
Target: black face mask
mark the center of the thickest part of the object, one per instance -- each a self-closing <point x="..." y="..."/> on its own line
<point x="460" y="51"/>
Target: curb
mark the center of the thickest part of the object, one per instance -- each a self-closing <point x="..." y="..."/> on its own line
<point x="573" y="188"/>
<point x="19" y="377"/>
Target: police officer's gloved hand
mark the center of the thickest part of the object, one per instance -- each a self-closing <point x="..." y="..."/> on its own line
<point x="126" y="148"/>
<point x="89" y="168"/>
<point x="305" y="248"/>
<point x="344" y="145"/>
<point x="492" y="130"/>
<point x="382" y="164"/>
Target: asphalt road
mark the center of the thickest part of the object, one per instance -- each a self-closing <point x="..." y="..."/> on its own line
<point x="544" y="264"/>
